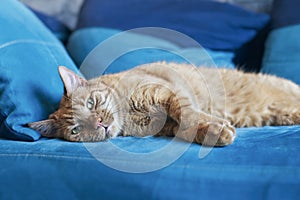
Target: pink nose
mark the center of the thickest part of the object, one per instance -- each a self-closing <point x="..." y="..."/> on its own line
<point x="98" y="123"/>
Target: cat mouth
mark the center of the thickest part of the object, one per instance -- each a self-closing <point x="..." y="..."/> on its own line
<point x="107" y="129"/>
<point x="107" y="132"/>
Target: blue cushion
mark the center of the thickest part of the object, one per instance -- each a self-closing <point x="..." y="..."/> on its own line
<point x="55" y="26"/>
<point x="30" y="86"/>
<point x="217" y="26"/>
<point x="285" y="13"/>
<point x="263" y="163"/>
<point x="119" y="51"/>
<point x="282" y="52"/>
<point x="282" y="48"/>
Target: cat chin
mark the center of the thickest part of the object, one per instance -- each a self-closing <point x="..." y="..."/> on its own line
<point x="113" y="131"/>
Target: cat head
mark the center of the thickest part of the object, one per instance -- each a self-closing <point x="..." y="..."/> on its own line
<point x="85" y="113"/>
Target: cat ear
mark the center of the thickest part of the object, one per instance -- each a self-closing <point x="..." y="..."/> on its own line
<point x="70" y="79"/>
<point x="45" y="127"/>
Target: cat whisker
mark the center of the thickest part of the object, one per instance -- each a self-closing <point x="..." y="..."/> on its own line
<point x="117" y="105"/>
<point x="115" y="108"/>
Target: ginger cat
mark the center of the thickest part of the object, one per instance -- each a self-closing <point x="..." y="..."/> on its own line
<point x="201" y="105"/>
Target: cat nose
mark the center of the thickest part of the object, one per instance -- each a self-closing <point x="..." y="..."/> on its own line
<point x="98" y="123"/>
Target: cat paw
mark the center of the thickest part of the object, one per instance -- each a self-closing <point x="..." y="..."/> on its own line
<point x="216" y="134"/>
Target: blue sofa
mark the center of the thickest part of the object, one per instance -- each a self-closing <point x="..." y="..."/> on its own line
<point x="263" y="163"/>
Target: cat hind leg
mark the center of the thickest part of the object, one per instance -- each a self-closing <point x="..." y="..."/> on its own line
<point x="285" y="119"/>
<point x="284" y="115"/>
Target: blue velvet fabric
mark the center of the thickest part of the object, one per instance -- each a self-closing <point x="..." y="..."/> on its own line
<point x="30" y="87"/>
<point x="218" y="26"/>
<point x="121" y="51"/>
<point x="263" y="163"/>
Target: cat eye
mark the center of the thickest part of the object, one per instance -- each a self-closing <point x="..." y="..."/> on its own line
<point x="90" y="103"/>
<point x="75" y="130"/>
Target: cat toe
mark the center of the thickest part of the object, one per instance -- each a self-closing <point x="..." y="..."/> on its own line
<point x="219" y="134"/>
<point x="227" y="136"/>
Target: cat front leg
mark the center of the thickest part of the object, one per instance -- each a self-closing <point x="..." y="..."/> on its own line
<point x="199" y="127"/>
<point x="215" y="132"/>
<point x="208" y="133"/>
